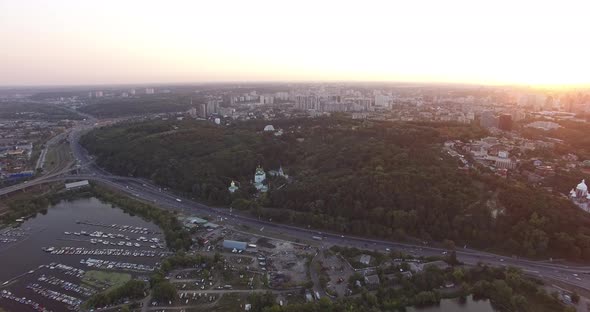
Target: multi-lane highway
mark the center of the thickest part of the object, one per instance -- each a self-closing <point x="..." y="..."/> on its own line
<point x="576" y="275"/>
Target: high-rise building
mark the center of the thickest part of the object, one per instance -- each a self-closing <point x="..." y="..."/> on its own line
<point x="192" y="112"/>
<point x="488" y="119"/>
<point x="203" y="110"/>
<point x="518" y="115"/>
<point x="283" y="96"/>
<point x="505" y="122"/>
<point x="307" y="102"/>
<point x="212" y="107"/>
<point x="382" y="101"/>
<point x="266" y="99"/>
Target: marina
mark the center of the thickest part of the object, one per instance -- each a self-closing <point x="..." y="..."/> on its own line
<point x="120" y="227"/>
<point x="113" y="265"/>
<point x="66" y="269"/>
<point x="14" y="234"/>
<point x="77" y="251"/>
<point x="71" y="302"/>
<point x="99" y="234"/>
<point x="7" y="295"/>
<point x="81" y="290"/>
<point x="60" y="261"/>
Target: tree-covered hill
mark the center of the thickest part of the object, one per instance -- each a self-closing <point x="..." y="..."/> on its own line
<point x="388" y="180"/>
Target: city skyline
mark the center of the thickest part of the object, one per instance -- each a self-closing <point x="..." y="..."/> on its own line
<point x="472" y="42"/>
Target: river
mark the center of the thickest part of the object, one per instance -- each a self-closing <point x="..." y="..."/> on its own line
<point x="452" y="305"/>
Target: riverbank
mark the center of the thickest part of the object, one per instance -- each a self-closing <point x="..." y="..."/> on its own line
<point x="27" y="205"/>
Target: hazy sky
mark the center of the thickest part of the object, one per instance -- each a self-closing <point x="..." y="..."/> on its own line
<point x="494" y="41"/>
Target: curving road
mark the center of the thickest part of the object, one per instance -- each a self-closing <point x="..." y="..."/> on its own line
<point x="575" y="275"/>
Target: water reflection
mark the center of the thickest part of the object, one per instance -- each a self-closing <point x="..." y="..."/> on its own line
<point x="26" y="266"/>
<point x="451" y="305"/>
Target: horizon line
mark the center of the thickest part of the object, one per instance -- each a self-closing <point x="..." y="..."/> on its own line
<point x="218" y="82"/>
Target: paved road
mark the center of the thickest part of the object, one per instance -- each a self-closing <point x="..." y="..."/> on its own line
<point x="143" y="189"/>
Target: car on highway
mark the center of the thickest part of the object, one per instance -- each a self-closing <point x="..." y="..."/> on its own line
<point x="179" y="200"/>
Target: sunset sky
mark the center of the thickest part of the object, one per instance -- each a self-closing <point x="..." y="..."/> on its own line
<point x="469" y="41"/>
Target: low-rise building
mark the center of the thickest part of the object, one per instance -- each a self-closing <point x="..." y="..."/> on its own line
<point x="231" y="244"/>
<point x="75" y="185"/>
<point x="372" y="281"/>
<point x="365" y="259"/>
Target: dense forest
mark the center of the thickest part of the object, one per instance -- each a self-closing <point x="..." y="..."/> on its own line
<point x="573" y="136"/>
<point x="381" y="179"/>
<point x="117" y="107"/>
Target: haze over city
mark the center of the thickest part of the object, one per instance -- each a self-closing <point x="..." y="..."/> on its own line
<point x="294" y="156"/>
<point x="479" y="42"/>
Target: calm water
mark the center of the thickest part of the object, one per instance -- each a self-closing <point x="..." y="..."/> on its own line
<point x="48" y="230"/>
<point x="451" y="305"/>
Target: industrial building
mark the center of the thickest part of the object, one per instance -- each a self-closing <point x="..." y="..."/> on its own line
<point x="231" y="244"/>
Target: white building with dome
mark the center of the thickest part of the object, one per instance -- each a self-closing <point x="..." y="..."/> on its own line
<point x="582" y="189"/>
<point x="259" y="178"/>
<point x="580" y="196"/>
<point x="232" y="187"/>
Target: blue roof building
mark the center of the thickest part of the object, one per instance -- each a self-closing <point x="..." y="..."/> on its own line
<point x="231" y="244"/>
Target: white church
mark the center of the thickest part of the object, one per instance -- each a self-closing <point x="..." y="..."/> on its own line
<point x="232" y="187"/>
<point x="259" y="178"/>
<point x="580" y="196"/>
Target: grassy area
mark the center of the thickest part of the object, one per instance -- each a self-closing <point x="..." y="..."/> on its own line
<point x="353" y="255"/>
<point x="105" y="280"/>
<point x="230" y="302"/>
<point x="233" y="278"/>
<point x="57" y="156"/>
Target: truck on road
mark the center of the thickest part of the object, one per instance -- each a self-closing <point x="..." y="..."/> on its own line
<point x="317" y="238"/>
